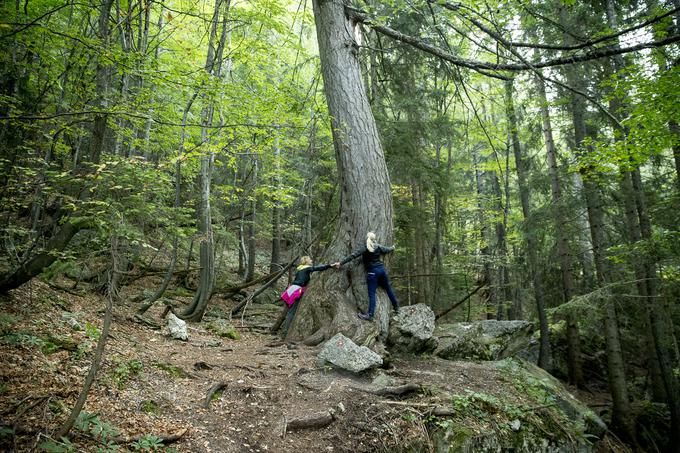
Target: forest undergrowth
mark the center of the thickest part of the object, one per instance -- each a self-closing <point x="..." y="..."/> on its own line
<point x="254" y="393"/>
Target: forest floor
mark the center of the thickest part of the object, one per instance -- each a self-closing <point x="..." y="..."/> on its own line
<point x="150" y="384"/>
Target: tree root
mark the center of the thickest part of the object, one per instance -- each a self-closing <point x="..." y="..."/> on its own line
<point x="142" y="320"/>
<point x="164" y="438"/>
<point x="313" y="421"/>
<point x="393" y="391"/>
<point x="211" y="391"/>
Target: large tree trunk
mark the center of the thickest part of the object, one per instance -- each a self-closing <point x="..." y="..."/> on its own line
<point x="333" y="298"/>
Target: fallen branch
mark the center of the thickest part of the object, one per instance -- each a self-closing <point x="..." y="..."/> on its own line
<point x="231" y="290"/>
<point x="260" y="290"/>
<point x="211" y="391"/>
<point x="163" y="438"/>
<point x="142" y="320"/>
<point x="459" y="302"/>
<point x="313" y="421"/>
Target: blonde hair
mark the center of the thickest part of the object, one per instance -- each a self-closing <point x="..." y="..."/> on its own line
<point x="370" y="241"/>
<point x="305" y="261"/>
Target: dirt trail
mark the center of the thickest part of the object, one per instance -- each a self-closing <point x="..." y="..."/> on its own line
<point x="151" y="384"/>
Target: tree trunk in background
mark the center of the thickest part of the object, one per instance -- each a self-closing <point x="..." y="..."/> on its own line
<point x="486" y="278"/>
<point x="662" y="356"/>
<point x="622" y="414"/>
<point x="500" y="288"/>
<point x="544" y="355"/>
<point x="251" y="249"/>
<point x="573" y="335"/>
<point x="421" y="265"/>
<point x="203" y="294"/>
<point x="276" y="214"/>
<point x="333" y="298"/>
<point x="440" y="203"/>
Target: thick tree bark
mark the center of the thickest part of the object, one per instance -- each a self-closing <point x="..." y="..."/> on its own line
<point x="334" y="297"/>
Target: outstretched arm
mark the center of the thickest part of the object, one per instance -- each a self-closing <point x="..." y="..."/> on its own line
<point x="384" y="249"/>
<point x="320" y="267"/>
<point x="356" y="254"/>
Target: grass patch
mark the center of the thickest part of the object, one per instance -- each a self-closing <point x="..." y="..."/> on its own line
<point x="125" y="371"/>
<point x="173" y="370"/>
<point x="150" y="407"/>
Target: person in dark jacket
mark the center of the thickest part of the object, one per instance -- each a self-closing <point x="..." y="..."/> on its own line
<point x="376" y="275"/>
<point x="292" y="294"/>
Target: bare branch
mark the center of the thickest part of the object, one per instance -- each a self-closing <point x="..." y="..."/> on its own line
<point x="481" y="65"/>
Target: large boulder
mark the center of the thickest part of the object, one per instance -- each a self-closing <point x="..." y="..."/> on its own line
<point x="411" y="330"/>
<point x="343" y="353"/>
<point x="483" y="340"/>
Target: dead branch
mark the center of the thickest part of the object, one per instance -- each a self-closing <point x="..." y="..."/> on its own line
<point x="459" y="302"/>
<point x="142" y="320"/>
<point x="211" y="391"/>
<point x="260" y="290"/>
<point x="231" y="290"/>
<point x="313" y="421"/>
<point x="163" y="438"/>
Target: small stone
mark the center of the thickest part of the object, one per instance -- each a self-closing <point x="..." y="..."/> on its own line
<point x="515" y="425"/>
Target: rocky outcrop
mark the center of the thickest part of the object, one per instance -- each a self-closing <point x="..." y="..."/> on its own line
<point x="520" y="424"/>
<point x="411" y="330"/>
<point x="483" y="340"/>
<point x="343" y="353"/>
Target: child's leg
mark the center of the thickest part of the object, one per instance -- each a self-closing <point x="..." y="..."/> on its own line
<point x="280" y="319"/>
<point x="289" y="317"/>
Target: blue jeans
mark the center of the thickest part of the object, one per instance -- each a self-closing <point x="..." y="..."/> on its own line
<point x="378" y="277"/>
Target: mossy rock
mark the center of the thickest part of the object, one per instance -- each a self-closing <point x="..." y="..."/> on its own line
<point x="224" y="329"/>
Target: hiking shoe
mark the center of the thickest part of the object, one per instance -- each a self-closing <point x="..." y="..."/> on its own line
<point x="365" y="316"/>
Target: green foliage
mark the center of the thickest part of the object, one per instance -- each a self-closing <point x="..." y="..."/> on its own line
<point x="92" y="331"/>
<point x="148" y="443"/>
<point x="62" y="446"/>
<point x="91" y="424"/>
<point x="150" y="407"/>
<point x="173" y="370"/>
<point x="125" y="371"/>
<point x="6" y="322"/>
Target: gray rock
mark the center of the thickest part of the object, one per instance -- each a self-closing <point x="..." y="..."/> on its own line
<point x="343" y="353"/>
<point x="177" y="327"/>
<point x="483" y="340"/>
<point x="411" y="330"/>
